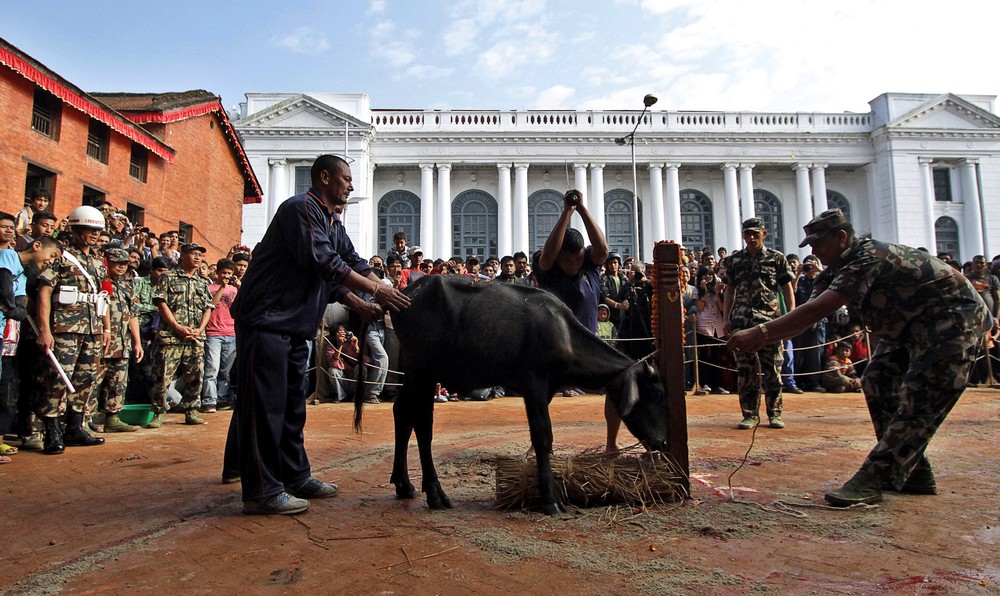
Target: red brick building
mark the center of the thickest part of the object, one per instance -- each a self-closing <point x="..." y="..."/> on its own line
<point x="171" y="160"/>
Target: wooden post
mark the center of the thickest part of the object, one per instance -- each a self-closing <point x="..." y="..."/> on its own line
<point x="668" y="332"/>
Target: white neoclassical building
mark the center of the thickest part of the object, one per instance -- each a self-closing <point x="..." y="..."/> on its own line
<point x="916" y="169"/>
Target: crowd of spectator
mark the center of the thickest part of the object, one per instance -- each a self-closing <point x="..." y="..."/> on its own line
<point x="162" y="309"/>
<point x="169" y="308"/>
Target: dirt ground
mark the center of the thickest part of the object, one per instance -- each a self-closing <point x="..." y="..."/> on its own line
<point x="147" y="513"/>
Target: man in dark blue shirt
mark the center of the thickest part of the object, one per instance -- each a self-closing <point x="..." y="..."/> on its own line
<point x="569" y="270"/>
<point x="573" y="273"/>
<point x="304" y="261"/>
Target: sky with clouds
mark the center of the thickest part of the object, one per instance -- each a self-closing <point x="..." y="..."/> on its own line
<point x="768" y="55"/>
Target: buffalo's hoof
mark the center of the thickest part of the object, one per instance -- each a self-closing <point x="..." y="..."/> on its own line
<point x="553" y="508"/>
<point x="436" y="499"/>
<point x="405" y="490"/>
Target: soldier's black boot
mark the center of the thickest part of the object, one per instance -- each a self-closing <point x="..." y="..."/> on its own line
<point x="864" y="488"/>
<point x="53" y="442"/>
<point x="75" y="435"/>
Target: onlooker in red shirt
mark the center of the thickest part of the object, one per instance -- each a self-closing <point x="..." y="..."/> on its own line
<point x="415" y="270"/>
<point x="220" y="338"/>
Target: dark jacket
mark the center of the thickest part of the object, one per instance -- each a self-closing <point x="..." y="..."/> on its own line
<point x="297" y="269"/>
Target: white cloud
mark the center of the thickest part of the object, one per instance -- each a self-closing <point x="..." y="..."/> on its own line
<point x="424" y="71"/>
<point x="556" y="97"/>
<point x="303" y="41"/>
<point x="488" y="12"/>
<point x="459" y="36"/>
<point x="527" y="45"/>
<point x="377" y="7"/>
<point x="393" y="47"/>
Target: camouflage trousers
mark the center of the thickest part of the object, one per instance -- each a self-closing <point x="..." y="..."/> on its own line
<point x="909" y="394"/>
<point x="79" y="354"/>
<point x="767" y="361"/>
<point x="109" y="391"/>
<point x="189" y="358"/>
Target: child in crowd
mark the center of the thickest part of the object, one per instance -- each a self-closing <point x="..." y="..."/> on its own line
<point x="399" y="247"/>
<point x="341" y="360"/>
<point x="840" y="375"/>
<point x="605" y="328"/>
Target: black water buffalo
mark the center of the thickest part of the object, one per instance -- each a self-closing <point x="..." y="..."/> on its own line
<point x="468" y="334"/>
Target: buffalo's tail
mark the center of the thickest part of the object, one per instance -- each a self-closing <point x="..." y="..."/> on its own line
<point x="361" y="377"/>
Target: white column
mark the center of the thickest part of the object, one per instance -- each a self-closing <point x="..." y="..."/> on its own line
<point x="504" y="215"/>
<point x="673" y="207"/>
<point x="442" y="242"/>
<point x="580" y="183"/>
<point x="973" y="232"/>
<point x="427" y="199"/>
<point x="520" y="236"/>
<point x="734" y="233"/>
<point x="746" y="192"/>
<point x="927" y="201"/>
<point x="802" y="194"/>
<point x="596" y="204"/>
<point x="279" y="186"/>
<point x="656" y="207"/>
<point x="819" y="188"/>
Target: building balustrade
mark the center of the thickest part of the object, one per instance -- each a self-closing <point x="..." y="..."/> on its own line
<point x="620" y="121"/>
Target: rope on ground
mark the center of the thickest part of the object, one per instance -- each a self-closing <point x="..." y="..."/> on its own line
<point x="780" y="506"/>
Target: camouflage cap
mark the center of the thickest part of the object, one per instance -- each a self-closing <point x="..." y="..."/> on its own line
<point x="828" y="221"/>
<point x="116" y="255"/>
<point x="754" y="223"/>
<point x="193" y="246"/>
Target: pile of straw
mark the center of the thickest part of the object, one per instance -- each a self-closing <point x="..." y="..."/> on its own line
<point x="592" y="479"/>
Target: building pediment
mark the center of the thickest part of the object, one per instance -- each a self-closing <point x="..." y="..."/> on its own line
<point x="947" y="111"/>
<point x="301" y="112"/>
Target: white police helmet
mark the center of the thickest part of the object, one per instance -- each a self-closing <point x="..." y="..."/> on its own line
<point x="86" y="216"/>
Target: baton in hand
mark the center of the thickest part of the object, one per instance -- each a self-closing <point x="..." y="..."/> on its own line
<point x="52" y="357"/>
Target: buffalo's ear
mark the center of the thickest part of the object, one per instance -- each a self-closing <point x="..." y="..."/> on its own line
<point x="624" y="392"/>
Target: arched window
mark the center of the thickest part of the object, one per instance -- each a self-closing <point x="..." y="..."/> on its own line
<point x="768" y="207"/>
<point x="696" y="220"/>
<point x="835" y="200"/>
<point x="946" y="233"/>
<point x="474" y="225"/>
<point x="398" y="211"/>
<point x="619" y="222"/>
<point x="544" y="207"/>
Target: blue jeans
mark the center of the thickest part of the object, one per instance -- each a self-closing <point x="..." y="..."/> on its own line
<point x="788" y="366"/>
<point x="380" y="359"/>
<point x="220" y="353"/>
<point x="337" y="380"/>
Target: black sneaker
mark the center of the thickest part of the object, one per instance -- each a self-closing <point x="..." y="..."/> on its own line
<point x="279" y="504"/>
<point x="314" y="488"/>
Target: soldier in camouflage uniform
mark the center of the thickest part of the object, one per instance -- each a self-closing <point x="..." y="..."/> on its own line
<point x="185" y="305"/>
<point x="927" y="320"/>
<point x="73" y="322"/>
<point x="754" y="276"/>
<point x="112" y="379"/>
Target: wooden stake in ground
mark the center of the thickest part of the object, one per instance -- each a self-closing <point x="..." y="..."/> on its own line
<point x="669" y="336"/>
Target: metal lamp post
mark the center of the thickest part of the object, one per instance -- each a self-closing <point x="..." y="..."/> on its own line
<point x="647" y="101"/>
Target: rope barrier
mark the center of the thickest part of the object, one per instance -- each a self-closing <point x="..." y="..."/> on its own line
<point x="692" y="361"/>
<point x="820" y="372"/>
